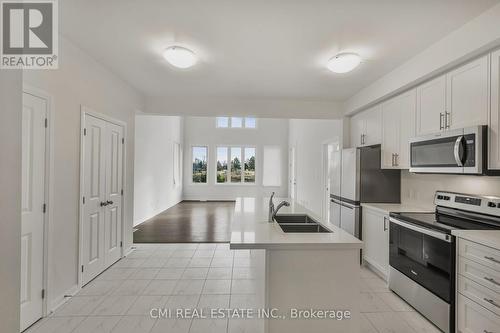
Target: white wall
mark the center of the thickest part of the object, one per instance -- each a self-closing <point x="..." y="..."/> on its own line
<point x="308" y="137"/>
<point x="419" y="189"/>
<point x="80" y="80"/>
<point x="202" y="131"/>
<point x="10" y="198"/>
<point x="472" y="39"/>
<point x="155" y="190"/>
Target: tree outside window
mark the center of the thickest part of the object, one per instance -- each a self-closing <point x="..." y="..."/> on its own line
<point x="200" y="164"/>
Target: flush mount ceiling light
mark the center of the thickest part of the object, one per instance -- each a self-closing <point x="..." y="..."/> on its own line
<point x="344" y="62"/>
<point x="180" y="57"/>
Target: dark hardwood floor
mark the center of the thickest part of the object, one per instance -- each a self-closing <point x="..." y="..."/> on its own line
<point x="189" y="222"/>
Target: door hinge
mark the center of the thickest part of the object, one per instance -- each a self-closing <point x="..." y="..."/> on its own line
<point x="121" y="243"/>
<point x="82" y="268"/>
<point x="84" y="131"/>
<point x="46" y="123"/>
<point x="84" y="200"/>
<point x="44" y="208"/>
<point x="123" y="141"/>
<point x="122" y="192"/>
<point x="43" y="293"/>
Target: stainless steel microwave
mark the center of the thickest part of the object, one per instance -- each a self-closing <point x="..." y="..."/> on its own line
<point x="460" y="151"/>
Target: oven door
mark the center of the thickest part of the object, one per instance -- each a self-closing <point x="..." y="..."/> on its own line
<point x="423" y="255"/>
<point x="455" y="151"/>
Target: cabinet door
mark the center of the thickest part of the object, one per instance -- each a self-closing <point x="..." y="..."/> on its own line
<point x="494" y="123"/>
<point x="358" y="123"/>
<point x="467" y="94"/>
<point x="376" y="239"/>
<point x="373" y="132"/>
<point x="391" y="119"/>
<point x="408" y="105"/>
<point x="431" y="106"/>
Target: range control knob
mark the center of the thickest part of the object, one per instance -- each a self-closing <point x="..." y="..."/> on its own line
<point x="491" y="204"/>
<point x="446" y="197"/>
<point x="440" y="197"/>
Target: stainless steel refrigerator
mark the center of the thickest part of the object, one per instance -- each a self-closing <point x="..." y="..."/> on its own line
<point x="357" y="177"/>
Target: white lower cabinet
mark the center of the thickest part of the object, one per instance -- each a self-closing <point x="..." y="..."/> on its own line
<point x="478" y="297"/>
<point x="375" y="230"/>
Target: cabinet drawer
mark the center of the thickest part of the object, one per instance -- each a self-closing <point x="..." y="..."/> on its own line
<point x="479" y="294"/>
<point x="473" y="318"/>
<point x="479" y="253"/>
<point x="479" y="273"/>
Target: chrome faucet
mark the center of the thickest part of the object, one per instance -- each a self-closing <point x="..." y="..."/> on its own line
<point x="271" y="208"/>
<point x="272" y="211"/>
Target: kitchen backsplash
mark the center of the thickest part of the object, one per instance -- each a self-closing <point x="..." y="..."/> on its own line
<point x="419" y="189"/>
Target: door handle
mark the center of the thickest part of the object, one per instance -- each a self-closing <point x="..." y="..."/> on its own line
<point x="458" y="151"/>
<point x="104" y="203"/>
<point x="492" y="280"/>
<point x="109" y="202"/>
<point x="492" y="302"/>
<point x="447" y="120"/>
<point x="385" y="223"/>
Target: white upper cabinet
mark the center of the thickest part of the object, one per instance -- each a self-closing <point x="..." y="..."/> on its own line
<point x="468" y="94"/>
<point x="431" y="106"/>
<point x="494" y="124"/>
<point x="398" y="126"/>
<point x="366" y="127"/>
<point x="455" y="100"/>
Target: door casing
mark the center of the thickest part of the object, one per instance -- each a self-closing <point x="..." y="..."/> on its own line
<point x="84" y="112"/>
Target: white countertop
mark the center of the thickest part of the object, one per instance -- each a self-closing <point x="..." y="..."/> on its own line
<point x="397" y="208"/>
<point x="251" y="230"/>
<point x="489" y="238"/>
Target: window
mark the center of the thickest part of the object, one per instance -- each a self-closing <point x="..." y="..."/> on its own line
<point x="222" y="122"/>
<point x="249" y="166"/>
<point x="235" y="165"/>
<point x="236" y="122"/>
<point x="222" y="164"/>
<point x="199" y="159"/>
<point x="272" y="166"/>
<point x="177" y="164"/>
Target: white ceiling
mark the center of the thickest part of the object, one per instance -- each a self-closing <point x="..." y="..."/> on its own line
<point x="259" y="49"/>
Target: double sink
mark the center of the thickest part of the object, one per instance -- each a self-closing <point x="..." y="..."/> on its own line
<point x="299" y="223"/>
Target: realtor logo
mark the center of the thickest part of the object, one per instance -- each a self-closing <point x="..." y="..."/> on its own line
<point x="29" y="34"/>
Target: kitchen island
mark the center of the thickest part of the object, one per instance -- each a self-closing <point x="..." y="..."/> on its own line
<point x="300" y="271"/>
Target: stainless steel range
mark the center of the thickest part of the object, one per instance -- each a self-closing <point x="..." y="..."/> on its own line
<point x="422" y="251"/>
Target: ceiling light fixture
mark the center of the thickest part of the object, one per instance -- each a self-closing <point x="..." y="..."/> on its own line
<point x="180" y="57"/>
<point x="344" y="62"/>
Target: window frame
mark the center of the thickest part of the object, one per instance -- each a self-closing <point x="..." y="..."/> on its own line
<point x="228" y="171"/>
<point x="191" y="164"/>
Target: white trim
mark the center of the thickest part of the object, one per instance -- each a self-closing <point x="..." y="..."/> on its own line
<point x="83" y="112"/>
<point x="48" y="184"/>
<point x="191" y="164"/>
<point x="62" y="299"/>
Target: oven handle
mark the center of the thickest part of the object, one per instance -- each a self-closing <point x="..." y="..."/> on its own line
<point x="432" y="233"/>
<point x="458" y="151"/>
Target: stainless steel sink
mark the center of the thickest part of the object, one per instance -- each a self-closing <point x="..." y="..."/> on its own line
<point x="299" y="223"/>
<point x="294" y="218"/>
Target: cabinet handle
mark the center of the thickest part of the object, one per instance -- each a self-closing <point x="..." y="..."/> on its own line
<point x="385" y="223"/>
<point x="396" y="162"/>
<point x="104" y="203"/>
<point x="486" y="331"/>
<point x="492" y="280"/>
<point x="392" y="161"/>
<point x="441" y="126"/>
<point x="492" y="259"/>
<point x="447" y="116"/>
<point x="492" y="302"/>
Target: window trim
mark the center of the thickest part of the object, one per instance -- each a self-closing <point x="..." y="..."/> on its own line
<point x="191" y="165"/>
<point x="228" y="171"/>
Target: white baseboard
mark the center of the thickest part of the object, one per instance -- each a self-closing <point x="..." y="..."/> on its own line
<point x="60" y="300"/>
<point x="375" y="269"/>
<point x="128" y="250"/>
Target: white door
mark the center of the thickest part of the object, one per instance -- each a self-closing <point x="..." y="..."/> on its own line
<point x="468" y="94"/>
<point x="373" y="132"/>
<point x="33" y="200"/>
<point x="102" y="195"/>
<point x="431" y="106"/>
<point x="94" y="195"/>
<point x="335" y="212"/>
<point x="376" y="239"/>
<point x="358" y="128"/>
<point x="349" y="179"/>
<point x="113" y="209"/>
<point x="391" y="119"/>
<point x="293" y="173"/>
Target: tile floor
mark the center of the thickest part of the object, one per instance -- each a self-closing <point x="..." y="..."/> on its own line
<point x="199" y="276"/>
